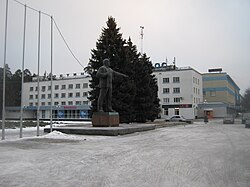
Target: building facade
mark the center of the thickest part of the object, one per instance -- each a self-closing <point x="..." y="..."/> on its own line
<point x="221" y="95"/>
<point x="69" y="98"/>
<point x="179" y="90"/>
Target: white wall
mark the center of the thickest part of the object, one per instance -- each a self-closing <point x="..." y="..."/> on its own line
<point x="190" y="90"/>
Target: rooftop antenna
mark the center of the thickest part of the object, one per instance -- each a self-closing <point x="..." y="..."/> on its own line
<point x="174" y="61"/>
<point x="142" y="27"/>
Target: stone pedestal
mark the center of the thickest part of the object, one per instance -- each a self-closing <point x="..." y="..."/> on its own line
<point x="105" y="119"/>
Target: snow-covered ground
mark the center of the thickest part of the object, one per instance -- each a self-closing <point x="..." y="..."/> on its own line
<point x="197" y="155"/>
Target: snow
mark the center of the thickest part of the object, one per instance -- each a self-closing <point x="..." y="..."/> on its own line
<point x="68" y="123"/>
<point x="197" y="155"/>
<point x="60" y="135"/>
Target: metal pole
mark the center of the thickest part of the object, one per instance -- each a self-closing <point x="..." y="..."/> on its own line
<point x="24" y="32"/>
<point x="142" y="27"/>
<point x="4" y="71"/>
<point x="38" y="74"/>
<point x="51" y="72"/>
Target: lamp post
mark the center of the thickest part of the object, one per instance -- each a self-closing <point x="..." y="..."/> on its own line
<point x="4" y="71"/>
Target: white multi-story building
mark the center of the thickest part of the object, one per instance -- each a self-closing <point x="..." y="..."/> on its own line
<point x="179" y="90"/>
<point x="69" y="98"/>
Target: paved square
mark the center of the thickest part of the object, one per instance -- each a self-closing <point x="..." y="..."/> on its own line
<point x="197" y="155"/>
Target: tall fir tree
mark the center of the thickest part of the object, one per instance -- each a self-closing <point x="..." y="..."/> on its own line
<point x="111" y="45"/>
<point x="135" y="98"/>
<point x="146" y="101"/>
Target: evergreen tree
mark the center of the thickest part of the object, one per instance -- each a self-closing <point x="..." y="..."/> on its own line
<point x="135" y="98"/>
<point x="146" y="102"/>
<point x="246" y="101"/>
<point x="13" y="84"/>
<point x="111" y="45"/>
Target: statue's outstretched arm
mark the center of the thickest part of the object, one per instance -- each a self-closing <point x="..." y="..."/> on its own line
<point x="120" y="74"/>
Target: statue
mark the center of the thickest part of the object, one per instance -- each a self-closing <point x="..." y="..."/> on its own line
<point x="105" y="75"/>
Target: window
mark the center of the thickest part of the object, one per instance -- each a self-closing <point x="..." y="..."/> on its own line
<point x="56" y="87"/>
<point x="43" y="96"/>
<point x="85" y="94"/>
<point x="36" y="96"/>
<point x="70" y="95"/>
<point x="63" y="103"/>
<point x="212" y="93"/>
<point x="36" y="88"/>
<point x="70" y="86"/>
<point x="85" y="85"/>
<point x="177" y="100"/>
<point x="165" y="90"/>
<point x="56" y="103"/>
<point x="166" y="100"/>
<point x="43" y="103"/>
<point x="31" y="89"/>
<point x="176" y="111"/>
<point x="166" y="80"/>
<point x="85" y="102"/>
<point x="30" y="104"/>
<point x="78" y="102"/>
<point x="43" y="113"/>
<point x="78" y="86"/>
<point x="49" y="87"/>
<point x="56" y="95"/>
<point x="176" y="79"/>
<point x="63" y="95"/>
<point x="176" y="90"/>
<point x="31" y="97"/>
<point x="49" y="103"/>
<point x="49" y="96"/>
<point x="77" y="94"/>
<point x="43" y="88"/>
<point x="165" y="111"/>
<point x="70" y="103"/>
<point x="63" y="87"/>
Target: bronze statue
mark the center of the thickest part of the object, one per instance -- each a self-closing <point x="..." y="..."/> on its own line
<point x="105" y="75"/>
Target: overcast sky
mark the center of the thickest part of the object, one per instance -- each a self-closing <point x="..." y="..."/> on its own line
<point x="202" y="34"/>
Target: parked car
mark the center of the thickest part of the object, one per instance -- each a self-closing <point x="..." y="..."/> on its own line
<point x="177" y="118"/>
<point x="228" y="120"/>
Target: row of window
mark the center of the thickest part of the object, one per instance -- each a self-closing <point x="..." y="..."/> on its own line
<point x="197" y="100"/>
<point x="175" y="80"/>
<point x="178" y="90"/>
<point x="75" y="114"/>
<point x="175" y="90"/>
<point x="196" y="80"/>
<point x="176" y="100"/>
<point x="63" y="87"/>
<point x="176" y="111"/>
<point x="63" y="95"/>
<point x="63" y="103"/>
<point x="210" y="93"/>
<point x="196" y="91"/>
